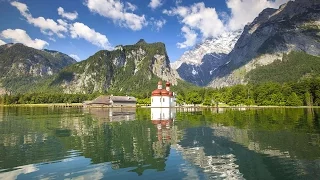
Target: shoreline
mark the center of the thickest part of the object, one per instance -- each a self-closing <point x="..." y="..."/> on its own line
<point x="66" y="105"/>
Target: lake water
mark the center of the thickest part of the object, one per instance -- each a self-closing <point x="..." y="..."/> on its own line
<point x="47" y="143"/>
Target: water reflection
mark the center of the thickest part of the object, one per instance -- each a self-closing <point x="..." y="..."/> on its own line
<point x="112" y="114"/>
<point x="159" y="143"/>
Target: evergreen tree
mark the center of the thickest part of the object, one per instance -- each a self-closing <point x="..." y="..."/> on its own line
<point x="294" y="100"/>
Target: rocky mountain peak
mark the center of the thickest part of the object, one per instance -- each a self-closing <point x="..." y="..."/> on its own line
<point x="222" y="44"/>
<point x="295" y="26"/>
<point x="125" y="69"/>
<point x="197" y="65"/>
<point x="141" y="41"/>
<point x="20" y="60"/>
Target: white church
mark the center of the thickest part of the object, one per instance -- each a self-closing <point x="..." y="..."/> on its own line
<point x="163" y="98"/>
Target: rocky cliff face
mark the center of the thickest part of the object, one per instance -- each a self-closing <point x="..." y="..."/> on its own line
<point x="197" y="65"/>
<point x="19" y="60"/>
<point x="126" y="69"/>
<point x="20" y="65"/>
<point x="295" y="26"/>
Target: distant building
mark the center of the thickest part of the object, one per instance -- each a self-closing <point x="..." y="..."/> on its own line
<point x="112" y="101"/>
<point x="163" y="97"/>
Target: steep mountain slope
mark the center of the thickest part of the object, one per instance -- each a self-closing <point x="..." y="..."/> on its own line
<point x="131" y="68"/>
<point x="196" y="66"/>
<point x="292" y="67"/>
<point x="295" y="26"/>
<point x="20" y="60"/>
<point x="21" y="65"/>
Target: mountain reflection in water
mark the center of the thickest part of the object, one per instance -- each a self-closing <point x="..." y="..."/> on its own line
<point x="156" y="143"/>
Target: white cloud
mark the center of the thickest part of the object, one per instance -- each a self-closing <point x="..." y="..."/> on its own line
<point x="18" y="171"/>
<point x="155" y="3"/>
<point x="68" y="15"/>
<point x="2" y="42"/>
<point x="80" y="30"/>
<point x="131" y="7"/>
<point x="21" y="36"/>
<point x="47" y="26"/>
<point x="244" y="11"/>
<point x="178" y="2"/>
<point x="76" y="57"/>
<point x="116" y="11"/>
<point x="189" y="35"/>
<point x="63" y="23"/>
<point x="158" y="24"/>
<point x="197" y="18"/>
<point x="52" y="39"/>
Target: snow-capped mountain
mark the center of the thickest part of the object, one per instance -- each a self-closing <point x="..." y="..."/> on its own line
<point x="197" y="65"/>
<point x="274" y="33"/>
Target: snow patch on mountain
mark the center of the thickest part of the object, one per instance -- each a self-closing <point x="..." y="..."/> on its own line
<point x="222" y="44"/>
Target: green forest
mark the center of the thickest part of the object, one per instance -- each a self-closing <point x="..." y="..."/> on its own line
<point x="303" y="93"/>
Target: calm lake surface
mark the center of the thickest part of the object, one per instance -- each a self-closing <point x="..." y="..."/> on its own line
<point x="47" y="143"/>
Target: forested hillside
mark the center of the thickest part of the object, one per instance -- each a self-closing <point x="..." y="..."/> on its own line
<point x="291" y="68"/>
<point x="22" y="67"/>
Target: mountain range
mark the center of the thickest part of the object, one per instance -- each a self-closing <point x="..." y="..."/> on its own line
<point x="124" y="70"/>
<point x="294" y="27"/>
<point x="197" y="65"/>
<point x="129" y="68"/>
<point x="227" y="59"/>
<point x="22" y="65"/>
<point x="279" y="45"/>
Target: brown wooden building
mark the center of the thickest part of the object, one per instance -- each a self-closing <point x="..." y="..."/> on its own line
<point x="112" y="101"/>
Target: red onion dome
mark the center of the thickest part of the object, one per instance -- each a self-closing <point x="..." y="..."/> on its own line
<point x="156" y="122"/>
<point x="170" y="93"/>
<point x="156" y="92"/>
<point x="164" y="92"/>
<point x="166" y="122"/>
<point x="167" y="83"/>
<point x="160" y="83"/>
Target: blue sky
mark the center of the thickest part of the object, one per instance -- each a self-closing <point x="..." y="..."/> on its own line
<point x="82" y="27"/>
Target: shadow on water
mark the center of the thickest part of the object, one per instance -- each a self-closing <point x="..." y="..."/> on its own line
<point x="153" y="143"/>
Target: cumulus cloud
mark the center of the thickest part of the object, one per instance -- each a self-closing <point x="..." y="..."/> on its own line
<point x="190" y="36"/>
<point x="21" y="36"/>
<point x="68" y="15"/>
<point x="155" y="3"/>
<point x="2" y="42"/>
<point x="63" y="23"/>
<point x="197" y="17"/>
<point x="47" y="26"/>
<point x="158" y="24"/>
<point x="80" y="30"/>
<point x="116" y="11"/>
<point x="131" y="7"/>
<point x="244" y="11"/>
<point x="52" y="39"/>
<point x="199" y="20"/>
<point x="76" y="57"/>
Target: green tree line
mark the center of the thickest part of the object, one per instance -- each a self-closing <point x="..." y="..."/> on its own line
<point x="303" y="93"/>
<point x="43" y="98"/>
